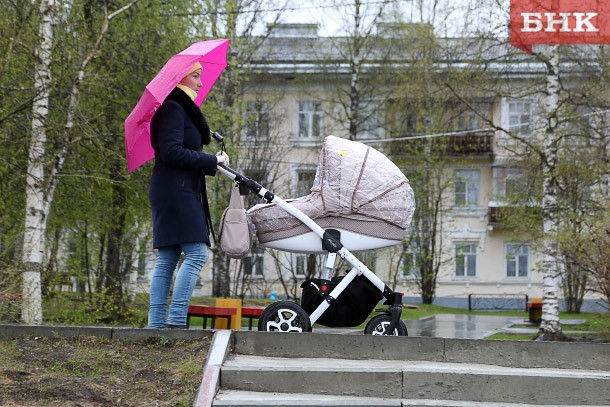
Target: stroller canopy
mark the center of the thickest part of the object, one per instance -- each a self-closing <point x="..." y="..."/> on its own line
<point x="353" y="181"/>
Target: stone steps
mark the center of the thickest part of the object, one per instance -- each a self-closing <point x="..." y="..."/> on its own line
<point x="309" y="369"/>
<point x="396" y="380"/>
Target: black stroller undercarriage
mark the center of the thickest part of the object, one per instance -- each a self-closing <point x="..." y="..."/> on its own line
<point x="345" y="301"/>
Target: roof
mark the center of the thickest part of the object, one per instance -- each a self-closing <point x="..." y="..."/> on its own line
<point x="296" y="48"/>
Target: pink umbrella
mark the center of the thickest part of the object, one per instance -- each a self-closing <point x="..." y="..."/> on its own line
<point x="213" y="57"/>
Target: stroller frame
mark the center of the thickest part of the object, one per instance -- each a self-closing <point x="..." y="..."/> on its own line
<point x="332" y="244"/>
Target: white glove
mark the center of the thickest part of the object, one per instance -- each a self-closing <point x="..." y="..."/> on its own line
<point x="222" y="158"/>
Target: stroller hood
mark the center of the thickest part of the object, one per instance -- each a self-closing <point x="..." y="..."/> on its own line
<point x="353" y="178"/>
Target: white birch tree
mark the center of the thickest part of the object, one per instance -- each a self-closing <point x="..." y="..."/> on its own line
<point x="36" y="200"/>
<point x="550" y="327"/>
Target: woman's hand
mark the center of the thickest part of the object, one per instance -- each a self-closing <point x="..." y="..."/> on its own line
<point x="222" y="158"/>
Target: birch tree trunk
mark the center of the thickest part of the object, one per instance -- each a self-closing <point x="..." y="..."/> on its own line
<point x="550" y="328"/>
<point x="35" y="215"/>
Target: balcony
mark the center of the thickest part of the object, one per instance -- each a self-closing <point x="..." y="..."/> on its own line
<point x="475" y="143"/>
<point x="496" y="215"/>
<point x="503" y="214"/>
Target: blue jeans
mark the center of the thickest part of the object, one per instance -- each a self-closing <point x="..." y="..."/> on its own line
<point x="195" y="256"/>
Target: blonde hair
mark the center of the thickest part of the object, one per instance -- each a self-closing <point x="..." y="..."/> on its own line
<point x="194" y="68"/>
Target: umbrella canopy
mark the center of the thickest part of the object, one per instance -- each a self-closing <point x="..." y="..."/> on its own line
<point x="212" y="55"/>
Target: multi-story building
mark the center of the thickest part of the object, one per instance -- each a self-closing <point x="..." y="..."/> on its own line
<point x="293" y="103"/>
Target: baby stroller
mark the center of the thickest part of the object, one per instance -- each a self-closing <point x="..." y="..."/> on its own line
<point x="359" y="201"/>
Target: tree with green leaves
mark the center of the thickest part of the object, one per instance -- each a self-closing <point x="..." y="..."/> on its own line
<point x="40" y="186"/>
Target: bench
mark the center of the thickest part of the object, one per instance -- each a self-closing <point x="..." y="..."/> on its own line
<point x="251" y="313"/>
<point x="206" y="312"/>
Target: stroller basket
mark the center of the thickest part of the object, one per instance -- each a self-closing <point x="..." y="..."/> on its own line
<point x="350" y="309"/>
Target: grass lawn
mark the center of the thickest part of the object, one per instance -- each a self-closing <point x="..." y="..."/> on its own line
<point x="597" y="323"/>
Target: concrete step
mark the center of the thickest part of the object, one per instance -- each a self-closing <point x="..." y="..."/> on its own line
<point x="417" y="380"/>
<point x="237" y="398"/>
<point x="563" y="355"/>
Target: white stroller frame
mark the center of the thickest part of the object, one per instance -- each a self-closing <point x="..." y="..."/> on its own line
<point x="334" y="247"/>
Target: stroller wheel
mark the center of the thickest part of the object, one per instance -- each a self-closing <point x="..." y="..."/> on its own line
<point x="378" y="324"/>
<point x="284" y="316"/>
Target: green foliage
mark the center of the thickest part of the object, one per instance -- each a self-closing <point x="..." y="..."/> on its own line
<point x="98" y="211"/>
<point x="18" y="36"/>
<point x="72" y="309"/>
<point x="511" y="337"/>
<point x="10" y="293"/>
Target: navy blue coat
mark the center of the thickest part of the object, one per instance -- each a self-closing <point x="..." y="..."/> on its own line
<point x="177" y="187"/>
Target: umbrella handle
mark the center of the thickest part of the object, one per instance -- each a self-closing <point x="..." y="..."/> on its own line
<point x="220" y="139"/>
<point x="217" y="136"/>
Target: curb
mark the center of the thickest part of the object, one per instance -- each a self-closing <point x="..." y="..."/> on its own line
<point x="8" y="331"/>
<point x="210" y="383"/>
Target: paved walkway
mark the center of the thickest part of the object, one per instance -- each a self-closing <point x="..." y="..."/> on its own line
<point x="460" y="326"/>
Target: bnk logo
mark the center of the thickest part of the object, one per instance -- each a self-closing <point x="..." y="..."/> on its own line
<point x="559" y="22"/>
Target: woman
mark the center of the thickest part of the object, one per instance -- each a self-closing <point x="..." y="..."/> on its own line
<point x="178" y="200"/>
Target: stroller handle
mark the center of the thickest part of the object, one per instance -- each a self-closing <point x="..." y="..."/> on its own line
<point x="252" y="185"/>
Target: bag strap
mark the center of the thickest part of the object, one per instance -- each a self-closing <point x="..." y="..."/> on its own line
<point x="236" y="201"/>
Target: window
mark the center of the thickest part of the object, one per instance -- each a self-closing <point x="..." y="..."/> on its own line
<point x="310" y="120"/>
<point x="411" y="263"/>
<point x="509" y="182"/>
<point x="257" y="120"/>
<point x="370" y="123"/>
<point x="304" y="181"/>
<point x="306" y="265"/>
<point x="401" y="119"/>
<point x="253" y="264"/>
<point x="465" y="260"/>
<point x="463" y="118"/>
<point x="467" y="187"/>
<point x="517" y="260"/>
<point x="520" y="115"/>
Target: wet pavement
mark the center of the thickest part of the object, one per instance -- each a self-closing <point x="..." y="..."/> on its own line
<point x="448" y="326"/>
<point x="460" y="326"/>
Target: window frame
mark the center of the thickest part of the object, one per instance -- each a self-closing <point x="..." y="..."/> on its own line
<point x="303" y="258"/>
<point x="509" y="256"/>
<point x="258" y="116"/>
<point x="465" y="256"/>
<point x="372" y="126"/>
<point x="256" y="258"/>
<point x="309" y="110"/>
<point x="296" y="189"/>
<point x="412" y="256"/>
<point x="520" y="126"/>
<point x="471" y="185"/>
<point x="502" y="177"/>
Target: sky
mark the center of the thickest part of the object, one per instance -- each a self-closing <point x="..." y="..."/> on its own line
<point x="451" y="17"/>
